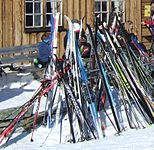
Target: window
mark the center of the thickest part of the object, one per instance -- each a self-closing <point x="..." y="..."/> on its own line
<point x="103" y="8"/>
<point x="56" y="6"/>
<point x="38" y="14"/>
<point x="34" y="13"/>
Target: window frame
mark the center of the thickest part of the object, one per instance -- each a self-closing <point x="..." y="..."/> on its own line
<point x="101" y="11"/>
<point x="43" y="27"/>
<point x="109" y="2"/>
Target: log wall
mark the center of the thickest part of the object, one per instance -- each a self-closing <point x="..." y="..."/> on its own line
<point x="133" y="13"/>
<point x="12" y="32"/>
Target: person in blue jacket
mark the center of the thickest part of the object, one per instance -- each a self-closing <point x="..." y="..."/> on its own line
<point x="44" y="51"/>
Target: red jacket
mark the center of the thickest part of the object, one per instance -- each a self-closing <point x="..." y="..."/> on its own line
<point x="149" y="22"/>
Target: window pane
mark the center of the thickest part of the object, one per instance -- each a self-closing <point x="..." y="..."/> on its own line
<point x="37" y="20"/>
<point x="114" y="5"/>
<point x="59" y="6"/>
<point x="48" y="7"/>
<point x="48" y="22"/>
<point x="121" y="6"/>
<point x="97" y="14"/>
<point x="97" y="6"/>
<point x="29" y="20"/>
<point x="117" y="5"/>
<point x="29" y="7"/>
<point x="37" y="8"/>
<point x="104" y="6"/>
<point x="104" y="17"/>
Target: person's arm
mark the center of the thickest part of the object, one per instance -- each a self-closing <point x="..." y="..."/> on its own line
<point x="148" y="22"/>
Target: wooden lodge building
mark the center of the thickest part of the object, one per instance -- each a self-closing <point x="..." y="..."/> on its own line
<point x="22" y="22"/>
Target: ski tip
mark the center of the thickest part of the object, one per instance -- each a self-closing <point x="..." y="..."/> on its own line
<point x="32" y="140"/>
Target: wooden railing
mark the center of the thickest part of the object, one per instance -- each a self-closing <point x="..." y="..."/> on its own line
<point x="19" y="54"/>
<point x="21" y="57"/>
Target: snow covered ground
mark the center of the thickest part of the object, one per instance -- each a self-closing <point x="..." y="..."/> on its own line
<point x="17" y="90"/>
<point x="21" y="90"/>
<point x="142" y="139"/>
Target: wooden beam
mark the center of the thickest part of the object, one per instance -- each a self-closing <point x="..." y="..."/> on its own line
<point x="83" y="11"/>
<point x="22" y="58"/>
<point x="127" y="9"/>
<point x="138" y="18"/>
<point x="90" y="12"/>
<point x="1" y="23"/>
<point x="8" y="23"/>
<point x="132" y="10"/>
<point x="33" y="38"/>
<point x="65" y="11"/>
<point x="17" y="22"/>
<point x="38" y="36"/>
<point x="61" y="49"/>
<point x="77" y="9"/>
<point x="25" y="36"/>
<point x="18" y="49"/>
<point x="70" y="8"/>
<point x="58" y="44"/>
<point x="4" y="22"/>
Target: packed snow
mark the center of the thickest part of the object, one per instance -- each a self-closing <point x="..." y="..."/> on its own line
<point x="20" y="91"/>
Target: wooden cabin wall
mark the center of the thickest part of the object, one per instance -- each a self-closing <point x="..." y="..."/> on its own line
<point x="12" y="31"/>
<point x="133" y="13"/>
<point x="12" y="21"/>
